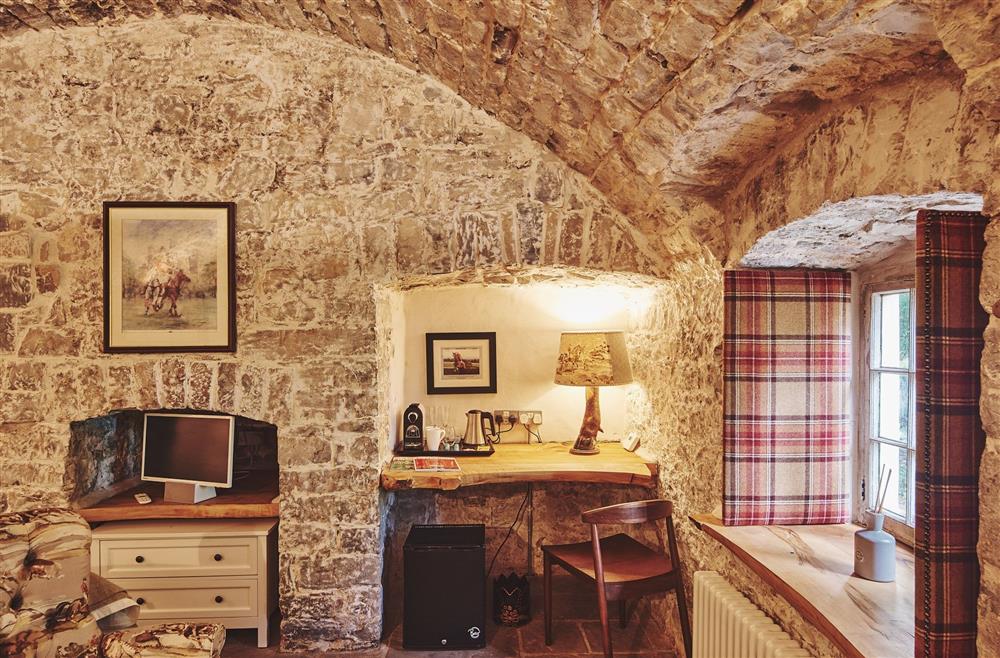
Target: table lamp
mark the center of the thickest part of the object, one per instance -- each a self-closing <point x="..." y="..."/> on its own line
<point x="592" y="359"/>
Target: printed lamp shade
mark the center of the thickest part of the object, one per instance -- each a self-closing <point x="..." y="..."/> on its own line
<point x="593" y="358"/>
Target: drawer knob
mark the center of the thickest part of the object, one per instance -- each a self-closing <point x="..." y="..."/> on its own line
<point x="218" y="557"/>
<point x="140" y="600"/>
<point x="218" y="599"/>
<point x="140" y="559"/>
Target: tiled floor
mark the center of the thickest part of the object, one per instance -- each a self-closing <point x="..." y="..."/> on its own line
<point x="576" y="632"/>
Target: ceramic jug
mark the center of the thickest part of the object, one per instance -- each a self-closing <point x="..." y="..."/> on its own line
<point x="875" y="552"/>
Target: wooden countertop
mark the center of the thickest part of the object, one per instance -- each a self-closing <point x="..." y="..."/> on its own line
<point x="184" y="528"/>
<point x="812" y="567"/>
<point x="521" y="462"/>
<point x="254" y="498"/>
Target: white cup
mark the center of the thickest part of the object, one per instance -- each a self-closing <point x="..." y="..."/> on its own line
<point x="434" y="437"/>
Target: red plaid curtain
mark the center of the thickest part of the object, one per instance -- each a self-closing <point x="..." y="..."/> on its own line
<point x="787" y="424"/>
<point x="950" y="437"/>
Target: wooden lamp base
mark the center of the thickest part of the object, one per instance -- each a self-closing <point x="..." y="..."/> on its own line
<point x="586" y="442"/>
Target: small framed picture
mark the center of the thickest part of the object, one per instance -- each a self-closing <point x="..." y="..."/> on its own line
<point x="169" y="276"/>
<point x="462" y="363"/>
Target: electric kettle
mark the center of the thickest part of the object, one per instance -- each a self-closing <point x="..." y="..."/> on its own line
<point x="476" y="434"/>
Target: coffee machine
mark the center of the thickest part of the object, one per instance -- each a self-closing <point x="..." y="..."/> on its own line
<point x="413" y="428"/>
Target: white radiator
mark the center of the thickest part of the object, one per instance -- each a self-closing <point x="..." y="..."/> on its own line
<point x="727" y="625"/>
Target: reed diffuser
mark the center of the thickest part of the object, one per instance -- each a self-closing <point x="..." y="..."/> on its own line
<point x="874" y="548"/>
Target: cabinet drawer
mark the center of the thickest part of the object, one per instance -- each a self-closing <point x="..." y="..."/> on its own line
<point x="192" y="598"/>
<point x="230" y="556"/>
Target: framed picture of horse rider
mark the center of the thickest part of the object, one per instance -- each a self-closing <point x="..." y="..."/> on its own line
<point x="169" y="276"/>
<point x="464" y="362"/>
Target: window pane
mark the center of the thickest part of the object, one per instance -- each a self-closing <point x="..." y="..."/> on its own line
<point x="897" y="459"/>
<point x="894" y="332"/>
<point x="891" y="398"/>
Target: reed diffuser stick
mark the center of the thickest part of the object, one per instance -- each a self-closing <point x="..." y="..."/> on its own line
<point x="878" y="489"/>
<point x="881" y="500"/>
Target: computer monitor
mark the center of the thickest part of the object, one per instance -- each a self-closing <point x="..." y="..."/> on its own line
<point x="191" y="453"/>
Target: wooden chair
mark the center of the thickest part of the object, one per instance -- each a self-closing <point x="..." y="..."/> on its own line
<point x="621" y="567"/>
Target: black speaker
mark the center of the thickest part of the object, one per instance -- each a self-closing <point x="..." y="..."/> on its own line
<point x="444" y="587"/>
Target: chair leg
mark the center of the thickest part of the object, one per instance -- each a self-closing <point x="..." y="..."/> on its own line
<point x="602" y="604"/>
<point x="547" y="588"/>
<point x="682" y="609"/>
<point x="623" y="613"/>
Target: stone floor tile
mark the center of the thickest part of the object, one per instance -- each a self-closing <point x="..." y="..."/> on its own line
<point x="566" y="638"/>
<point x="629" y="640"/>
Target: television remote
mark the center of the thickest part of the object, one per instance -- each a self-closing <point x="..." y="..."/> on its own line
<point x="143" y="499"/>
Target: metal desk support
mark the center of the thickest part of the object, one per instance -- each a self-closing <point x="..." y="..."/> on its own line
<point x="531" y="528"/>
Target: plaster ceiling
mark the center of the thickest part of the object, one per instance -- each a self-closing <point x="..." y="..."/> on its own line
<point x="652" y="100"/>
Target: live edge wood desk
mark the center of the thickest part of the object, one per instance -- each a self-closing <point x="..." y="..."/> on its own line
<point x="516" y="463"/>
<point x="528" y="463"/>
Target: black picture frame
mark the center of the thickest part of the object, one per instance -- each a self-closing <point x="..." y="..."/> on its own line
<point x="436" y="387"/>
<point x="229" y="322"/>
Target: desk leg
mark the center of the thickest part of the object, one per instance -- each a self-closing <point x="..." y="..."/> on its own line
<point x="531" y="529"/>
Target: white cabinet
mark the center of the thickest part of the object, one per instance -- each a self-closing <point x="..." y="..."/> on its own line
<point x="203" y="570"/>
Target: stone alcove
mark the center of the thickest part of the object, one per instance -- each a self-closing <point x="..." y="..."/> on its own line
<point x="911" y="139"/>
<point x="530" y="306"/>
<point x="104" y="453"/>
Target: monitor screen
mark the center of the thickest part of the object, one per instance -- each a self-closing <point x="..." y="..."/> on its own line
<point x="188" y="448"/>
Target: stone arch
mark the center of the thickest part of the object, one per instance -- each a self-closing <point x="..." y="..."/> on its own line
<point x="851" y="233"/>
<point x="913" y="138"/>
<point x="348" y="173"/>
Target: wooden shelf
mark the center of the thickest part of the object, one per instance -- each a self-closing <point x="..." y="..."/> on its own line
<point x="545" y="462"/>
<point x="812" y="566"/>
<point x="256" y="497"/>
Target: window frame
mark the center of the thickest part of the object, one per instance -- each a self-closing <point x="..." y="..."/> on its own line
<point x="866" y="480"/>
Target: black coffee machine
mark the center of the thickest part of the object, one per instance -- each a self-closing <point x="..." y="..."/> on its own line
<point x="413" y="429"/>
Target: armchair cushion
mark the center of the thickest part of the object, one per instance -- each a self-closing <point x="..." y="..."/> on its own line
<point x="44" y="569"/>
<point x="166" y="641"/>
<point x="44" y="585"/>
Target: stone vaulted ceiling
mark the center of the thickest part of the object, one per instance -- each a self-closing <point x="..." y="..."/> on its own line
<point x="655" y="101"/>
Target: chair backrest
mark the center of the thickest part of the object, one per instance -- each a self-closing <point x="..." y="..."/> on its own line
<point x="639" y="511"/>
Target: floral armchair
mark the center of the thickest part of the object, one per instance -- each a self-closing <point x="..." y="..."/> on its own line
<point x="44" y="577"/>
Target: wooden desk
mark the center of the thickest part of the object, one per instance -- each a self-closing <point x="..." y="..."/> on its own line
<point x="811" y="566"/>
<point x="521" y="462"/>
<point x="254" y="498"/>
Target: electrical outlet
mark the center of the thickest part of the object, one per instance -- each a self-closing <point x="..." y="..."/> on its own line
<point x="505" y="416"/>
<point x="513" y="417"/>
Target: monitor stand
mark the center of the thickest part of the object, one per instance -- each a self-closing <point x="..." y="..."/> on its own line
<point x="180" y="492"/>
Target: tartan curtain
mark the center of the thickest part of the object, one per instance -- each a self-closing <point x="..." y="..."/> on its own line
<point x="787" y="423"/>
<point x="950" y="437"/>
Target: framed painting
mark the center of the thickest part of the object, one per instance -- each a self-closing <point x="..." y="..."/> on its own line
<point x="462" y="363"/>
<point x="169" y="276"/>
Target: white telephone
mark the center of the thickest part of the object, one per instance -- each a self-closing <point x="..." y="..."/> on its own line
<point x="631" y="442"/>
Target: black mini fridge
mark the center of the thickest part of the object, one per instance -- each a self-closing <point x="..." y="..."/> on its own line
<point x="444" y="587"/>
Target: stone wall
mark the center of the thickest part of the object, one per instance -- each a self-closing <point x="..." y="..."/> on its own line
<point x="350" y="174"/>
<point x="938" y="132"/>
<point x="102" y="452"/>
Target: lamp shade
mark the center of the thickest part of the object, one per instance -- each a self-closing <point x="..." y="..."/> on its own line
<point x="593" y="358"/>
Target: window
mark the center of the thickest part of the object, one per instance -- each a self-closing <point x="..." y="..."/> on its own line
<point x="890" y="435"/>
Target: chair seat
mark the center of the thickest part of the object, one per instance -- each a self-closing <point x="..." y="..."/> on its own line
<point x="625" y="560"/>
